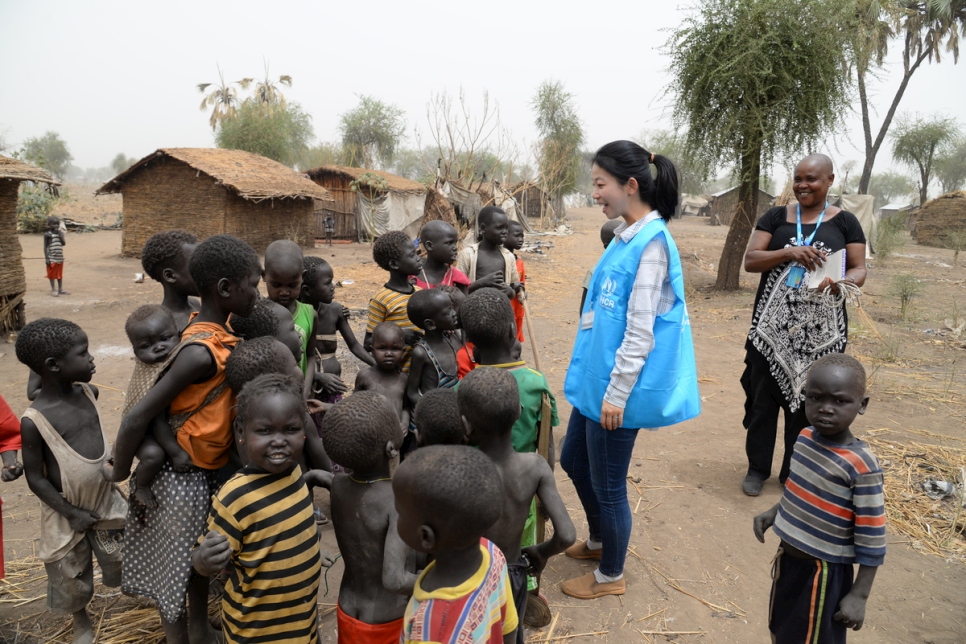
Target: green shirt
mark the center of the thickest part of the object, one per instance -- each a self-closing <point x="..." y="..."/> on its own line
<point x="304" y="319"/>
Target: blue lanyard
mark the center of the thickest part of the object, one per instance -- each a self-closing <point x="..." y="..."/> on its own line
<point x="798" y="222"/>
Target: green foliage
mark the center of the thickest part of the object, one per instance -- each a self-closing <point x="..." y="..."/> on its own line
<point x="755" y="80"/>
<point x="951" y="167"/>
<point x="120" y="163"/>
<point x="50" y="152"/>
<point x="906" y="287"/>
<point x="955" y="240"/>
<point x="889" y="235"/>
<point x="890" y="186"/>
<point x="693" y="172"/>
<point x="34" y="204"/>
<point x="918" y="141"/>
<point x="321" y="154"/>
<point x="371" y="132"/>
<point x="561" y="136"/>
<point x="369" y="182"/>
<point x="273" y="131"/>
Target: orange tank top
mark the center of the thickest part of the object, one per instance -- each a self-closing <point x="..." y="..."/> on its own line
<point x="205" y="410"/>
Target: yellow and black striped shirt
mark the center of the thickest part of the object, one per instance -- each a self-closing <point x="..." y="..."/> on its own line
<point x="388" y="305"/>
<point x="273" y="590"/>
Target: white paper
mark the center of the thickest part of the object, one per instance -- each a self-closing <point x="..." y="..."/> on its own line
<point x="834" y="267"/>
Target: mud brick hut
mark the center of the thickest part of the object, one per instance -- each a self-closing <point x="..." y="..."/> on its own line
<point x="532" y="199"/>
<point x="381" y="202"/>
<point x="210" y="191"/>
<point x="938" y="218"/>
<point x="723" y="205"/>
<point x="13" y="281"/>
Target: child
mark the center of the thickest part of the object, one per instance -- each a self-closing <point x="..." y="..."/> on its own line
<point x="434" y="356"/>
<point x="329" y="228"/>
<point x="394" y="252"/>
<point x="606" y="236"/>
<point x="447" y="496"/>
<point x="438" y="419"/>
<point x="157" y="558"/>
<point x="362" y="434"/>
<point x="283" y="279"/>
<point x="831" y="515"/>
<point x="488" y="263"/>
<point x="54" y="243"/>
<point x="261" y="523"/>
<point x="489" y="408"/>
<point x="64" y="445"/>
<point x="165" y="258"/>
<point x="514" y="241"/>
<point x="388" y="346"/>
<point x="153" y="335"/>
<point x="440" y="240"/>
<point x="318" y="291"/>
<point x="269" y="319"/>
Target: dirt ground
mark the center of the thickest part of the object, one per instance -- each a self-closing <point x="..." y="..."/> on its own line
<point x="695" y="568"/>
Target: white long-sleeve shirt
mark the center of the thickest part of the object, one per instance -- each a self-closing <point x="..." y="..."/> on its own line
<point x="650" y="296"/>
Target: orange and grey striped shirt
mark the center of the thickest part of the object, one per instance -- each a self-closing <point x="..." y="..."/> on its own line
<point x="388" y="305"/>
<point x="833" y="507"/>
<point x="275" y="562"/>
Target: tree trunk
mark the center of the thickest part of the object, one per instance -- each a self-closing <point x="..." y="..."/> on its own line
<point x="733" y="253"/>
<point x="872" y="149"/>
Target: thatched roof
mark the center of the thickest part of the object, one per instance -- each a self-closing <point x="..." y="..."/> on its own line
<point x="20" y="171"/>
<point x="395" y="182"/>
<point x="248" y="175"/>
<point x="942" y="215"/>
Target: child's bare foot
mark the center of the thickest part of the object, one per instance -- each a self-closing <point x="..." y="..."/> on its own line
<point x="204" y="634"/>
<point x="145" y="496"/>
<point x="83" y="629"/>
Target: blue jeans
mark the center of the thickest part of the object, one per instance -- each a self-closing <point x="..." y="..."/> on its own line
<point x="596" y="460"/>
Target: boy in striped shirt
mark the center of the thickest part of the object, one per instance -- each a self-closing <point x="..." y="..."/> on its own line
<point x="831" y="515"/>
<point x="395" y="253"/>
<point x="54" y="243"/>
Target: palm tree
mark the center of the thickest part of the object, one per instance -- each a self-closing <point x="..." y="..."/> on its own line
<point x="222" y="98"/>
<point x="267" y="92"/>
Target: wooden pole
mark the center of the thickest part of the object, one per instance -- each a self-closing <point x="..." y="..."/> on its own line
<point x="522" y="297"/>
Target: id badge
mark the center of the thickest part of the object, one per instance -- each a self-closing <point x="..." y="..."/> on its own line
<point x="587" y="320"/>
<point x="796" y="276"/>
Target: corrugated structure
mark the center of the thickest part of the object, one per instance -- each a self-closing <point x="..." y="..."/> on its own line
<point x="367" y="212"/>
<point x="937" y="218"/>
<point x="13" y="280"/>
<point x="724" y="204"/>
<point x="210" y="191"/>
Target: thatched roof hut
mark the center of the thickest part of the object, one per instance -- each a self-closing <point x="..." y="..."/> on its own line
<point x="210" y="191"/>
<point x="385" y="202"/>
<point x="13" y="281"/>
<point x="724" y="204"/>
<point x="942" y="215"/>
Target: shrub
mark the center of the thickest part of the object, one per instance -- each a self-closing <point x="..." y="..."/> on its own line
<point x="906" y="287"/>
<point x="34" y="205"/>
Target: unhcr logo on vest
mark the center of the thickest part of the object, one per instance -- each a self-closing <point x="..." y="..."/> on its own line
<point x="606" y="298"/>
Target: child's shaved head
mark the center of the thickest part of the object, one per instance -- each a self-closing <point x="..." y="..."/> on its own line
<point x="426" y="305"/>
<point x="487" y="317"/>
<point x="253" y="358"/>
<point x="263" y="321"/>
<point x="607" y="231"/>
<point x="844" y="361"/>
<point x="455" y="490"/>
<point x="388" y="331"/>
<point x="165" y="250"/>
<point x="283" y="255"/>
<point x="490" y="398"/>
<point x="356" y="430"/>
<point x="437" y="418"/>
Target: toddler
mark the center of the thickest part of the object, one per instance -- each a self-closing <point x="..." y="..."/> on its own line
<point x="54" y="243"/>
<point x="394" y="252"/>
<point x="388" y="347"/>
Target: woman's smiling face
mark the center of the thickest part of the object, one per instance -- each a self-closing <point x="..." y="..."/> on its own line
<point x="609" y="193"/>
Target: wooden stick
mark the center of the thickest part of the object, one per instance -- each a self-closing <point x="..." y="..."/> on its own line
<point x="522" y="297"/>
<point x="568" y="637"/>
<point x="672" y="632"/>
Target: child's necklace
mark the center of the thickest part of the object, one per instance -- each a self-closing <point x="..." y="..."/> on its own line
<point x="366" y="481"/>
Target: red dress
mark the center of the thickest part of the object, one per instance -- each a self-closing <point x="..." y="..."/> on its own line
<point x="9" y="440"/>
<point x="517" y="304"/>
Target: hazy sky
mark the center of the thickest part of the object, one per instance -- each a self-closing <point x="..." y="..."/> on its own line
<point x="120" y="76"/>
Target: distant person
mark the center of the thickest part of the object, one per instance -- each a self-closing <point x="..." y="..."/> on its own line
<point x="165" y="259"/>
<point x="831" y="515"/>
<point x="54" y="242"/>
<point x="632" y="365"/>
<point x="329" y="224"/>
<point x="395" y="253"/>
<point x="441" y="242"/>
<point x="64" y="446"/>
<point x="514" y="242"/>
<point x="788" y="331"/>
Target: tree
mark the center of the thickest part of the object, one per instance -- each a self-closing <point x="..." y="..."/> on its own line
<point x="266" y="91"/>
<point x="371" y="132"/>
<point x="951" y="167"/>
<point x="48" y="151"/>
<point x="887" y="187"/>
<point x="917" y="142"/>
<point x="222" y="98"/>
<point x="926" y="28"/>
<point x="847" y="171"/>
<point x="561" y="135"/>
<point x="122" y="163"/>
<point x="279" y="133"/>
<point x="692" y="170"/>
<point x="741" y="95"/>
<point x="321" y="154"/>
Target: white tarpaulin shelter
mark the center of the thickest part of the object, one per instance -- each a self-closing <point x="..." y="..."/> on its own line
<point x="861" y="207"/>
<point x="466" y="203"/>
<point x="390" y="211"/>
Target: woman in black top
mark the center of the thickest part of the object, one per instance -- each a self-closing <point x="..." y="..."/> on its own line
<point x="789" y="332"/>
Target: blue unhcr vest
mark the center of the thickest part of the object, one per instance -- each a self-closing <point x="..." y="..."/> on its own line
<point x="666" y="391"/>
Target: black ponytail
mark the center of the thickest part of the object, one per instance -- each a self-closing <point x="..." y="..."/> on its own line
<point x="626" y="159"/>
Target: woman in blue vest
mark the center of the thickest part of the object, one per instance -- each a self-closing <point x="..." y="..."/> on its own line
<point x="633" y="361"/>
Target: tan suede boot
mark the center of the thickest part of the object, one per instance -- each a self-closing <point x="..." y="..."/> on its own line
<point x="587" y="587"/>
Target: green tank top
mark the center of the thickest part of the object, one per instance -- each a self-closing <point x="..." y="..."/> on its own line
<point x="303" y="318"/>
